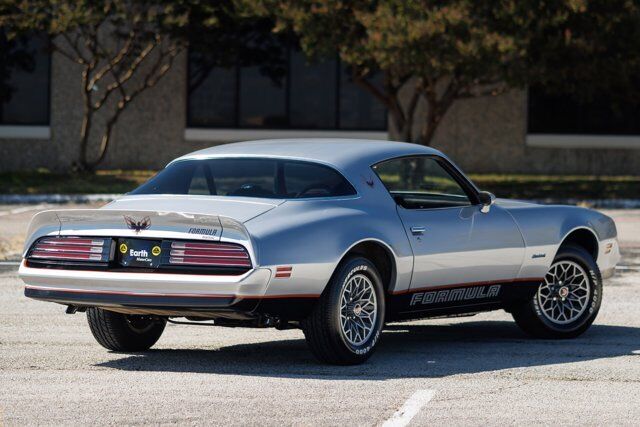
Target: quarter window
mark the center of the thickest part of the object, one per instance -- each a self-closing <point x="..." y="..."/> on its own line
<point x="421" y="183"/>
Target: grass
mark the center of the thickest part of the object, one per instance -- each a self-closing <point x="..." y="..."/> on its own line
<point x="579" y="187"/>
<point x="44" y="182"/>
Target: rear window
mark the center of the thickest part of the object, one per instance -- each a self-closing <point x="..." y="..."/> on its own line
<point x="270" y="178"/>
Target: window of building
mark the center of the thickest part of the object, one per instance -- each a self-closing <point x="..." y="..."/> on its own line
<point x="604" y="113"/>
<point x="421" y="183"/>
<point x="319" y="95"/>
<point x="24" y="81"/>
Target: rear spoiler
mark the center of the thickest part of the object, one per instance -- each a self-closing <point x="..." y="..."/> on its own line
<point x="132" y="223"/>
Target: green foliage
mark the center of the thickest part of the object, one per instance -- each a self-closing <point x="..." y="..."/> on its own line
<point x="442" y="51"/>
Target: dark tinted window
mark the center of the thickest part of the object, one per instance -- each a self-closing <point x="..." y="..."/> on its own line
<point x="248" y="178"/>
<point x="262" y="101"/>
<point x="313" y="93"/>
<point x="293" y="93"/>
<point x="358" y="108"/>
<point x="310" y="180"/>
<point x="568" y="113"/>
<point x="24" y="81"/>
<point x="421" y="183"/>
<point x="214" y="101"/>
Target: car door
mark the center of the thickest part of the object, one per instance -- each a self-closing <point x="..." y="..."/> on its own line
<point x="454" y="240"/>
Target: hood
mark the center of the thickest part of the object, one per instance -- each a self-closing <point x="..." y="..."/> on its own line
<point x="241" y="209"/>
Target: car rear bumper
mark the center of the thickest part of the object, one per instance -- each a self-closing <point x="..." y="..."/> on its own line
<point x="102" y="288"/>
<point x="167" y="294"/>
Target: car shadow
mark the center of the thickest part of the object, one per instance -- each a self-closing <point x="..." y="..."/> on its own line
<point x="405" y="351"/>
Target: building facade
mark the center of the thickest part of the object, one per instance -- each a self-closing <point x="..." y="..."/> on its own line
<point x="518" y="132"/>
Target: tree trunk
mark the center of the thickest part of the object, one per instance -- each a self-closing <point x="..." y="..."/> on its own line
<point x="82" y="163"/>
<point x="403" y="117"/>
<point x="401" y="130"/>
<point x="429" y="127"/>
<point x="106" y="139"/>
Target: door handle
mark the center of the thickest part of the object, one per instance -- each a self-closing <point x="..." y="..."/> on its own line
<point x="418" y="231"/>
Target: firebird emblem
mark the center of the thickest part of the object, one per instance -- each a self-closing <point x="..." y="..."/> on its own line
<point x="138" y="226"/>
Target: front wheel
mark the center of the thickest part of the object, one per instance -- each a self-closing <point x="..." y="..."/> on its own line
<point x="346" y="323"/>
<point x="122" y="332"/>
<point x="567" y="301"/>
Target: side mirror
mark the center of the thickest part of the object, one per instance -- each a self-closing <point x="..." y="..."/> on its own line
<point x="486" y="200"/>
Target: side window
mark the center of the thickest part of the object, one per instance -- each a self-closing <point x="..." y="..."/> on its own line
<point x="421" y="183"/>
<point x="310" y="180"/>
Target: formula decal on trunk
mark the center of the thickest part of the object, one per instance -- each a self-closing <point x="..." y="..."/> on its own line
<point x="458" y="294"/>
<point x="204" y="231"/>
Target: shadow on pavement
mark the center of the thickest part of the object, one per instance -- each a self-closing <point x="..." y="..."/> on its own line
<point x="406" y="351"/>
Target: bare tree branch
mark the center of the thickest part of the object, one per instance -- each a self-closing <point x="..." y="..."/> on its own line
<point x="121" y="80"/>
<point x="360" y="80"/>
<point x="117" y="59"/>
<point x="58" y="48"/>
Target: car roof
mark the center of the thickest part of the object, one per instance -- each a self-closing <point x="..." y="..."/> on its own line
<point x="344" y="154"/>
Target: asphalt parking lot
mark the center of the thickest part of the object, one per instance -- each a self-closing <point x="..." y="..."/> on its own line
<point x="478" y="370"/>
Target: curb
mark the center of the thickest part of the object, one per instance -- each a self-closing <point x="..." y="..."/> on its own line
<point x="593" y="203"/>
<point x="28" y="199"/>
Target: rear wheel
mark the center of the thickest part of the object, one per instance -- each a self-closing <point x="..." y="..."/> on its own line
<point x="345" y="325"/>
<point x="122" y="332"/>
<point x="567" y="301"/>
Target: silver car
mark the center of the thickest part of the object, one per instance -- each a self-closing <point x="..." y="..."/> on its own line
<point x="335" y="237"/>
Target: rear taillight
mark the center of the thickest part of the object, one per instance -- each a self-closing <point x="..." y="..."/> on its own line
<point x="82" y="249"/>
<point x="206" y="254"/>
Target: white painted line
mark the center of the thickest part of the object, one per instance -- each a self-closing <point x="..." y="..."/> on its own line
<point x="627" y="268"/>
<point x="12" y="263"/>
<point x="24" y="209"/>
<point x="410" y="408"/>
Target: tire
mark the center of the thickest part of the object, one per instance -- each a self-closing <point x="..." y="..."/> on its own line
<point x="538" y="319"/>
<point x="328" y="332"/>
<point x="121" y="332"/>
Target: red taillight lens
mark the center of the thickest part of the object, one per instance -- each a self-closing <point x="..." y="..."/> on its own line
<point x="209" y="254"/>
<point x="71" y="249"/>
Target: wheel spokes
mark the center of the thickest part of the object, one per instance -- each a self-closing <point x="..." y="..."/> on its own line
<point x="358" y="309"/>
<point x="564" y="294"/>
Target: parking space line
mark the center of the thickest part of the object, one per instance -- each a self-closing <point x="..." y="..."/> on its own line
<point x="627" y="268"/>
<point x="24" y="209"/>
<point x="410" y="409"/>
<point x="12" y="263"/>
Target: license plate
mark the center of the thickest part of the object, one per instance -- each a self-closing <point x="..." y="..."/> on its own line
<point x="139" y="253"/>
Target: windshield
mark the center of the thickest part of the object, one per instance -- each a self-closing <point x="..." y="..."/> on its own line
<point x="270" y="178"/>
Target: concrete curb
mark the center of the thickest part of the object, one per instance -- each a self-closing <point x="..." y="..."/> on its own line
<point x="27" y="199"/>
<point x="594" y="203"/>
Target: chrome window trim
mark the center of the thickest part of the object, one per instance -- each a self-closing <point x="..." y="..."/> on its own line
<point x="467" y="186"/>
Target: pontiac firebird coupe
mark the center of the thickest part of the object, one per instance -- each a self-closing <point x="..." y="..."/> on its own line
<point x="336" y="237"/>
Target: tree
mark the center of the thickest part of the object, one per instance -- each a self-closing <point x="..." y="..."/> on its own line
<point x="443" y="51"/>
<point x="123" y="47"/>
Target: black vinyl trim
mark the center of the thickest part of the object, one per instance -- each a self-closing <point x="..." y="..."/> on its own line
<point x="114" y="299"/>
<point x="416" y="305"/>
